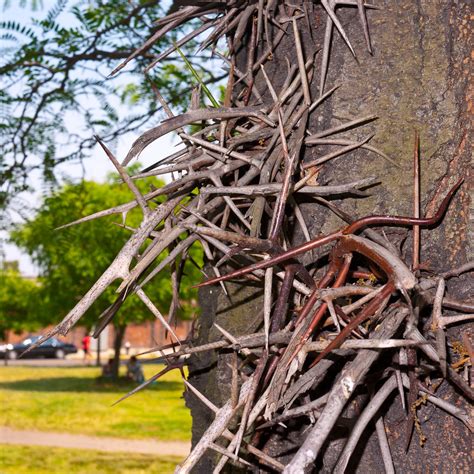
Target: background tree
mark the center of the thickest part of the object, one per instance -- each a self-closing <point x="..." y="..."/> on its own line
<point x="18" y="302"/>
<point x="56" y="90"/>
<point x="70" y="258"/>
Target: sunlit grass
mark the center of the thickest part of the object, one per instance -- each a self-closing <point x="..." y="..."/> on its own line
<point x="71" y="400"/>
<point x="46" y="460"/>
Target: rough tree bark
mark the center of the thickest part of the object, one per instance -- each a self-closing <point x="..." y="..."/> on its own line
<point x="417" y="79"/>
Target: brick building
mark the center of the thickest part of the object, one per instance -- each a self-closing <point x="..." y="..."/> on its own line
<point x="140" y="336"/>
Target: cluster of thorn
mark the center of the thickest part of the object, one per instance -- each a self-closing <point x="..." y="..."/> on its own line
<point x="235" y="182"/>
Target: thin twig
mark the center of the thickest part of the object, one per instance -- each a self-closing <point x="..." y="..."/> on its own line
<point x="339" y="396"/>
<point x="416" y="201"/>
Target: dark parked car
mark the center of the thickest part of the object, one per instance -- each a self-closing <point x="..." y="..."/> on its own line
<point x="50" y="348"/>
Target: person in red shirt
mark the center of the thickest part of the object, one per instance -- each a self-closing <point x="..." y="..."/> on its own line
<point x="86" y="345"/>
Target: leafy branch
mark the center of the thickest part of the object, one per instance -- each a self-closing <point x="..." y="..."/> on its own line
<point x="57" y="91"/>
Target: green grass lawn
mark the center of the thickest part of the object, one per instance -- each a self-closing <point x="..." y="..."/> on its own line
<point x="71" y="400"/>
<point x="46" y="460"/>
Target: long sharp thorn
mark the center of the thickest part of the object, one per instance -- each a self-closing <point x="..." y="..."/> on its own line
<point x="325" y="58"/>
<point x="275" y="260"/>
<point x="126" y="178"/>
<point x="416" y="202"/>
<point x="144" y="384"/>
<point x="338" y="25"/>
<point x="365" y="24"/>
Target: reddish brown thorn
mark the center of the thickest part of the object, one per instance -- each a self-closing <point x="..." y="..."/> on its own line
<point x="282" y="300"/>
<point x="275" y="260"/>
<point x="365" y="314"/>
<point x="402" y="220"/>
<point x="361" y="275"/>
<point x="343" y="270"/>
<point x="354" y="227"/>
<point x="308" y="306"/>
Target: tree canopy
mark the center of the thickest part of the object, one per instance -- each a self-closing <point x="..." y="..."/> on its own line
<point x="18" y="299"/>
<point x="57" y="91"/>
<point x="70" y="258"/>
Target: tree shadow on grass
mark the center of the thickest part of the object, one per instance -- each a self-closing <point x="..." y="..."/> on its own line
<point x="76" y="384"/>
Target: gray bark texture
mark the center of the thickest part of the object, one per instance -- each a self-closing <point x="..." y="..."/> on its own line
<point x="419" y="78"/>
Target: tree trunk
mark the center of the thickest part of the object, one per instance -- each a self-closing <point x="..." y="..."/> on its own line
<point x="417" y="79"/>
<point x="97" y="355"/>
<point x="119" y="332"/>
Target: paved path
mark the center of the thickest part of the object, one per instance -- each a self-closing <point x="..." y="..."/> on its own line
<point x="65" y="440"/>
